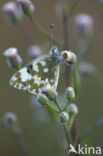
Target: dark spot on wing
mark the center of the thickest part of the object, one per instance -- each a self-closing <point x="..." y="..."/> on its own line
<point x="29" y="68"/>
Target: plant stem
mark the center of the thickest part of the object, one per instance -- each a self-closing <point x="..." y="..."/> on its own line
<point x="64" y="126"/>
<point x="65" y="24"/>
<point x="22" y="145"/>
<point x="72" y="8"/>
<point x="44" y="33"/>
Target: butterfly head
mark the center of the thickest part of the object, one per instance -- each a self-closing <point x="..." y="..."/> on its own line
<point x="55" y="55"/>
<point x="67" y="57"/>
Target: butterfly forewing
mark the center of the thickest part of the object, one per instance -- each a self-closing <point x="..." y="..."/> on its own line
<point x="37" y="75"/>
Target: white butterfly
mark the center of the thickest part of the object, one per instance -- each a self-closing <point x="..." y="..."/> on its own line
<point x="41" y="72"/>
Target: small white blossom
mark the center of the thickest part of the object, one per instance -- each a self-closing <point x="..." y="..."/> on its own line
<point x="12" y="12"/>
<point x="83" y="24"/>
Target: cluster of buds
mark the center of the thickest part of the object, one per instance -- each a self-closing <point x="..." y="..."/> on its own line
<point x="83" y="24"/>
<point x="27" y="7"/>
<point x="10" y="121"/>
<point x="13" y="58"/>
<point x="71" y="109"/>
<point x="34" y="51"/>
<point x="12" y="12"/>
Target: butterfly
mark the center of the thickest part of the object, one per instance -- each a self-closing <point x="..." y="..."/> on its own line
<point x="41" y="72"/>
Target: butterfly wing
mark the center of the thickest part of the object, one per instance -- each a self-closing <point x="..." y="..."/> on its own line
<point x="35" y="76"/>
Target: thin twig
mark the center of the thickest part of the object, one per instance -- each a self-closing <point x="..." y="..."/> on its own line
<point x="22" y="145"/>
<point x="64" y="126"/>
<point x="44" y="33"/>
<point x="72" y="8"/>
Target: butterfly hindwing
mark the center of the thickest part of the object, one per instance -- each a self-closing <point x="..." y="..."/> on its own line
<point x="38" y="74"/>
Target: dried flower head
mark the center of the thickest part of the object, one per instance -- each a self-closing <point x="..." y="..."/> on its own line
<point x="84" y="24"/>
<point x="13" y="58"/>
<point x="67" y="57"/>
<point x="12" y="12"/>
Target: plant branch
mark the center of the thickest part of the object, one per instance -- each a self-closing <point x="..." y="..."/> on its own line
<point x="72" y="8"/>
<point x="64" y="126"/>
<point x="22" y="146"/>
<point x="44" y="33"/>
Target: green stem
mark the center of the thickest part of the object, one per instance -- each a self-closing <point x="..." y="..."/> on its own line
<point x="50" y="105"/>
<point x="73" y="7"/>
<point x="64" y="126"/>
<point x="70" y="123"/>
<point x="44" y="33"/>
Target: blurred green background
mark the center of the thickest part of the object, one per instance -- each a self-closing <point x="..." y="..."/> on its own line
<point x="41" y="137"/>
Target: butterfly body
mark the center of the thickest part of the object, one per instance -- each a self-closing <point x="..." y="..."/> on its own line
<point x="41" y="73"/>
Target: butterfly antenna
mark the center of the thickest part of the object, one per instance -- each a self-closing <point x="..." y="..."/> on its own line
<point x="52" y="35"/>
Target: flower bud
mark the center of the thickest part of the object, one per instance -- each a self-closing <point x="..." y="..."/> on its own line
<point x="27" y="7"/>
<point x="13" y="58"/>
<point x="50" y="93"/>
<point x="72" y="109"/>
<point x="63" y="117"/>
<point x="12" y="12"/>
<point x="34" y="52"/>
<point x="42" y="99"/>
<point x="70" y="94"/>
<point x="87" y="69"/>
<point x="83" y="24"/>
<point x="10" y="121"/>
